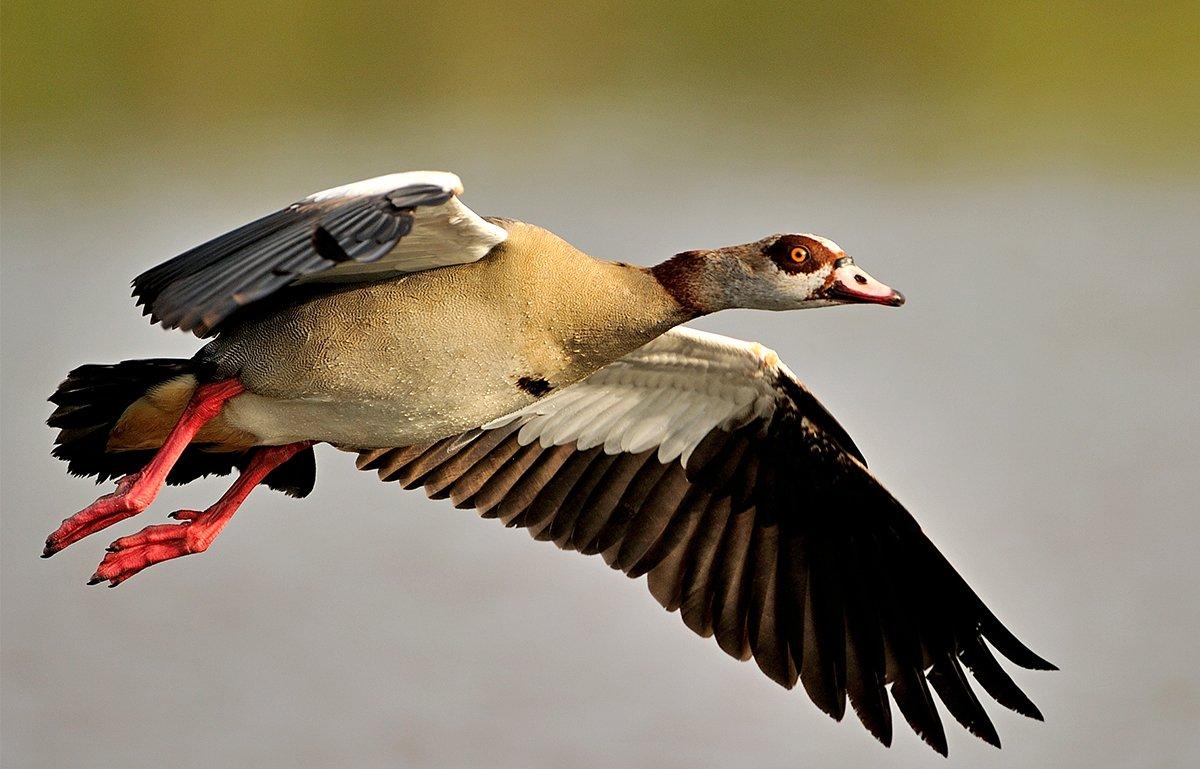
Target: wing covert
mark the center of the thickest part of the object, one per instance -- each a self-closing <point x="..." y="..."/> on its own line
<point x="368" y="230"/>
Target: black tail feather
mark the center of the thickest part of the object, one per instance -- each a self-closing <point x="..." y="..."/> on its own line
<point x="92" y="399"/>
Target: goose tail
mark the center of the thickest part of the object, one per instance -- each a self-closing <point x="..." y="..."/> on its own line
<point x="112" y="417"/>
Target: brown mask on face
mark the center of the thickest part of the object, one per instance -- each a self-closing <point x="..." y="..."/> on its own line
<point x="800" y="253"/>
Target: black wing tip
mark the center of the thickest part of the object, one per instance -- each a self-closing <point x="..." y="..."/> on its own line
<point x="875" y="717"/>
<point x="935" y="737"/>
<point x="950" y="683"/>
<point x="937" y="741"/>
<point x="884" y="738"/>
<point x="995" y="681"/>
<point x="1003" y="640"/>
<point x="911" y="693"/>
<point x="1024" y="657"/>
<point x="991" y="737"/>
<point x="824" y="695"/>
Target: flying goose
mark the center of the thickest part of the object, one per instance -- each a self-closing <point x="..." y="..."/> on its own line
<point x="493" y="363"/>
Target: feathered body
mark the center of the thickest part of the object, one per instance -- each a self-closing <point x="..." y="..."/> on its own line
<point x="437" y="352"/>
<point x="493" y="363"/>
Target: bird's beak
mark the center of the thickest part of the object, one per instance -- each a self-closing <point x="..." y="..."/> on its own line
<point x="849" y="283"/>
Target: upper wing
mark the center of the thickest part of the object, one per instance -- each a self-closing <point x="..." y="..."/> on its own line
<point x="368" y="230"/>
<point x="702" y="462"/>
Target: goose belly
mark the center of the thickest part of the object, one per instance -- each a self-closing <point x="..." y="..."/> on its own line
<point x="434" y="353"/>
<point x="374" y="368"/>
<point x="363" y="423"/>
<point x="386" y="389"/>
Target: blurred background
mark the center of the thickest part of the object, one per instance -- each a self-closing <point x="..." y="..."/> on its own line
<point x="1027" y="173"/>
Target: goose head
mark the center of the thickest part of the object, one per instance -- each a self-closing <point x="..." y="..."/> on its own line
<point x="780" y="272"/>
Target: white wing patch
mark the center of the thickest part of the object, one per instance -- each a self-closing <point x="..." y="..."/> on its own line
<point x="377" y="185"/>
<point x="441" y="235"/>
<point x="669" y="393"/>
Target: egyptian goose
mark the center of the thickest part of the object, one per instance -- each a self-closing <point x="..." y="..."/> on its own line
<point x="491" y="362"/>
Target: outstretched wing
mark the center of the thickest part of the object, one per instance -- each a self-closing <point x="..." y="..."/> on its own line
<point x="703" y="463"/>
<point x="364" y="231"/>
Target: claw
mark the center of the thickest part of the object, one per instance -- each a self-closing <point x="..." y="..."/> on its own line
<point x="153" y="544"/>
<point x="184" y="515"/>
<point x="130" y="498"/>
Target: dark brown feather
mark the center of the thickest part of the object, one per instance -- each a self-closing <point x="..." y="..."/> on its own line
<point x="563" y="524"/>
<point x="512" y="508"/>
<point x="390" y="461"/>
<point x="464" y="488"/>
<point x="866" y="669"/>
<point x="954" y="691"/>
<point x="696" y="604"/>
<point x="651" y="519"/>
<point x="438" y="479"/>
<point x="731" y="587"/>
<point x="677" y="534"/>
<point x="550" y="498"/>
<point x="823" y="669"/>
<point x="412" y="474"/>
<point x="765" y="626"/>
<point x="500" y="485"/>
<point x="995" y="681"/>
<point x="613" y="530"/>
<point x="606" y="497"/>
<point x="916" y="703"/>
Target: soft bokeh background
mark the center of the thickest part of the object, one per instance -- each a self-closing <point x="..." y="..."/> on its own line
<point x="1026" y="172"/>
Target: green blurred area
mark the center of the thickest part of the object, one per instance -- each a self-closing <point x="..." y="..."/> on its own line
<point x="902" y="86"/>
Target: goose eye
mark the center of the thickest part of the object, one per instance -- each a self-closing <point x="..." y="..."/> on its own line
<point x="799" y="254"/>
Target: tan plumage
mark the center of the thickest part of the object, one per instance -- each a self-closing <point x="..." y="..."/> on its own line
<point x="494" y="364"/>
<point x="437" y="352"/>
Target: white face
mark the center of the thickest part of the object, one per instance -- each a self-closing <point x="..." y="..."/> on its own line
<point x="800" y="270"/>
<point x="780" y="290"/>
<point x="781" y="272"/>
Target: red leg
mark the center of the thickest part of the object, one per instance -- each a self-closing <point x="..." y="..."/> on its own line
<point x="154" y="544"/>
<point x="135" y="492"/>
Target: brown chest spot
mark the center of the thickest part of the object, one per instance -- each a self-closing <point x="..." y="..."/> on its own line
<point x="537" y="387"/>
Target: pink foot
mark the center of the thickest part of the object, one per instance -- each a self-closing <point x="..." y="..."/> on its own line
<point x="154" y="544"/>
<point x="129" y="499"/>
<point x="135" y="492"/>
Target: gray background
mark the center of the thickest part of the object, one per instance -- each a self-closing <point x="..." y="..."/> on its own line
<point x="1034" y="404"/>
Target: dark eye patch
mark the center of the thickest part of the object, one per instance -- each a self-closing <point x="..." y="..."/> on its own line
<point x="780" y="253"/>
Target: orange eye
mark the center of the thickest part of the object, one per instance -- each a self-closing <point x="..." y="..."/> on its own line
<point x="799" y="254"/>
